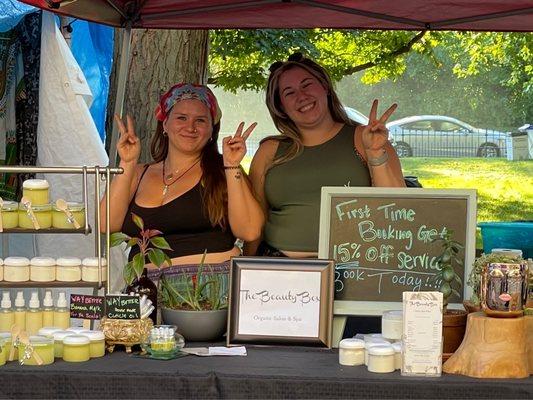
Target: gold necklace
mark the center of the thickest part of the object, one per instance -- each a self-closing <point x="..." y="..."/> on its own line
<point x="167" y="185"/>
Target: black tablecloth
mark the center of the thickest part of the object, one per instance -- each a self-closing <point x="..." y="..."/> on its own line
<point x="267" y="372"/>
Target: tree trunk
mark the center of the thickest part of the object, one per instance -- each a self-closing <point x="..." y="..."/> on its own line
<point x="159" y="59"/>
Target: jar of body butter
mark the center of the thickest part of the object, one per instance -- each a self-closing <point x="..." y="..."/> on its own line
<point x="42" y="269"/>
<point x="10" y="216"/>
<point x="43" y="346"/>
<point x="351" y="352"/>
<point x="381" y="359"/>
<point x="59" y="336"/>
<point x="68" y="269"/>
<point x="43" y="214"/>
<point x="392" y="324"/>
<point x="76" y="348"/>
<point x="60" y="220"/>
<point x="36" y="190"/>
<point x="89" y="269"/>
<point x="16" y="269"/>
<point x="97" y="345"/>
<point x="397" y="346"/>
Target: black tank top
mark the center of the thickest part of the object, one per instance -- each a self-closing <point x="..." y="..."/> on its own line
<point x="183" y="223"/>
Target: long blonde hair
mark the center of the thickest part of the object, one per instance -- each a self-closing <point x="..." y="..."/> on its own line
<point x="283" y="123"/>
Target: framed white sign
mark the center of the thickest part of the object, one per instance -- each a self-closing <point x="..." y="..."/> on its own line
<point x="280" y="300"/>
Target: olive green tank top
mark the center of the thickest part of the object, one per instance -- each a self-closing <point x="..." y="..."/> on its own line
<point x="293" y="189"/>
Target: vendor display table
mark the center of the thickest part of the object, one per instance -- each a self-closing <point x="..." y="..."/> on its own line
<point x="273" y="372"/>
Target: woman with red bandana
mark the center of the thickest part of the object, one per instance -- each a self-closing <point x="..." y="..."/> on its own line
<point x="318" y="146"/>
<point x="200" y="200"/>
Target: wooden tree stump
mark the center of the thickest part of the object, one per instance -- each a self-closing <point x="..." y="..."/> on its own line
<point x="493" y="348"/>
<point x="529" y="338"/>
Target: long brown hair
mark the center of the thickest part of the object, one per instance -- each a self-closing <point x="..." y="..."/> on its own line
<point x="215" y="196"/>
<point x="281" y="120"/>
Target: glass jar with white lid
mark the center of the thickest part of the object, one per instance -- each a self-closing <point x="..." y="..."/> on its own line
<point x="36" y="190"/>
<point x="10" y="216"/>
<point x="68" y="269"/>
<point x="397" y="346"/>
<point x="5" y="338"/>
<point x="42" y="213"/>
<point x="97" y="345"/>
<point x="60" y="219"/>
<point x="48" y="331"/>
<point x="351" y="352"/>
<point x="89" y="269"/>
<point x="370" y="342"/>
<point x="16" y="269"/>
<point x="59" y="336"/>
<point x="392" y="324"/>
<point x="76" y="348"/>
<point x="381" y="359"/>
<point x="43" y="346"/>
<point x="42" y="269"/>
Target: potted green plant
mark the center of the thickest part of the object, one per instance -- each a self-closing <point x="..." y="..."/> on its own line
<point x="151" y="245"/>
<point x="196" y="303"/>
<point x="453" y="321"/>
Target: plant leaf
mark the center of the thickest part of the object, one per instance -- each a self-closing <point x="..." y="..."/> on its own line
<point x="455" y="292"/>
<point x="138" y="264"/>
<point x="149" y="233"/>
<point x="117" y="238"/>
<point x="129" y="273"/>
<point x="156" y="257"/>
<point x="137" y="221"/>
<point x="168" y="260"/>
<point x="160" y="243"/>
<point x="132" y="242"/>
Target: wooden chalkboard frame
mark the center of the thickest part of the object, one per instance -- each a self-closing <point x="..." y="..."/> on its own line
<point x="376" y="308"/>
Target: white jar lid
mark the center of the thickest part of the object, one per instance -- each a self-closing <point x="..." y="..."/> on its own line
<point x="5" y="335"/>
<point x="397" y="346"/>
<point x="10" y="206"/>
<point x="376" y="342"/>
<point x="93" y="262"/>
<point x="35" y="184"/>
<point x="381" y="350"/>
<point x="40" y="340"/>
<point x="76" y="329"/>
<point x="71" y="205"/>
<point x="93" y="335"/>
<point x="351" y="344"/>
<point x="393" y="314"/>
<point x="43" y="261"/>
<point x="68" y="262"/>
<point x="16" y="262"/>
<point x="60" y="335"/>
<point x="76" y="339"/>
<point x="49" y="331"/>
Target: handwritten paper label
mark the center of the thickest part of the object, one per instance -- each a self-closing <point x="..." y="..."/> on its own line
<point x="86" y="307"/>
<point x="383" y="246"/>
<point x="422" y="333"/>
<point x="279" y="303"/>
<point x="123" y="307"/>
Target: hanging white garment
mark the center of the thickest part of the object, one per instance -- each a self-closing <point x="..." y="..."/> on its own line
<point x="67" y="136"/>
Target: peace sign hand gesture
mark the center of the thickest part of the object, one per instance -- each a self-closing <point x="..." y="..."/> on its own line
<point x="128" y="145"/>
<point x="376" y="134"/>
<point x="234" y="148"/>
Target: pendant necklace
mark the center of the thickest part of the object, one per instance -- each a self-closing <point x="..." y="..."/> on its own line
<point x="167" y="185"/>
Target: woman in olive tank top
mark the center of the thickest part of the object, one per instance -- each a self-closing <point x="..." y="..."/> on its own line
<point x="318" y="146"/>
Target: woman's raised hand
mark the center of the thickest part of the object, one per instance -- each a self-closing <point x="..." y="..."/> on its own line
<point x="128" y="145"/>
<point x="376" y="134"/>
<point x="234" y="147"/>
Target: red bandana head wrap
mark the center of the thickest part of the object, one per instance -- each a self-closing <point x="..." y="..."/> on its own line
<point x="187" y="91"/>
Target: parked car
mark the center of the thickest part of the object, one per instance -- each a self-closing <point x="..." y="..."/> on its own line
<point x="356" y="116"/>
<point x="441" y="136"/>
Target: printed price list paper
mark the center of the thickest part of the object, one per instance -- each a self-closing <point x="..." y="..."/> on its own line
<point x="422" y="333"/>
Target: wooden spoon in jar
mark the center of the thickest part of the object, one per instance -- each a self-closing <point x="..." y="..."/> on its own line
<point x="25" y="340"/>
<point x="62" y="205"/>
<point x="27" y="205"/>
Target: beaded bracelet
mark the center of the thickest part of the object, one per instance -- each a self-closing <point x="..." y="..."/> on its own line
<point x="377" y="161"/>
<point x="230" y="167"/>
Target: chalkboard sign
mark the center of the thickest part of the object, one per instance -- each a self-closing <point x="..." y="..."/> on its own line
<point x="86" y="307"/>
<point x="381" y="241"/>
<point x="123" y="307"/>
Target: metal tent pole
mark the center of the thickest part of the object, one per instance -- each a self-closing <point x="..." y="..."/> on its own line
<point x="125" y="58"/>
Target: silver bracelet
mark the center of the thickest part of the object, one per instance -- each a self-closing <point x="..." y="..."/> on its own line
<point x="377" y="161"/>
